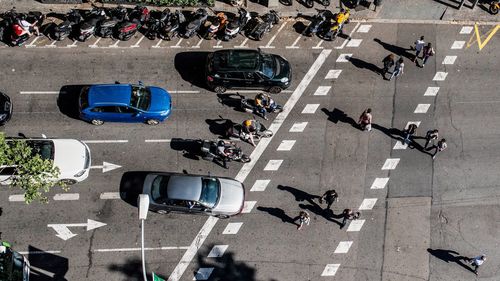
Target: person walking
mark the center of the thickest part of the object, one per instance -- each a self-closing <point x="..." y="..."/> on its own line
<point x="398" y="69"/>
<point x="303" y="218"/>
<point x="441" y="145"/>
<point x="476" y="262"/>
<point x="427" y="52"/>
<point x="365" y="120"/>
<point x="329" y="197"/>
<point x="430" y="136"/>
<point x="409" y="132"/>
<point x="388" y="63"/>
<point x="349" y="215"/>
<point x="419" y="45"/>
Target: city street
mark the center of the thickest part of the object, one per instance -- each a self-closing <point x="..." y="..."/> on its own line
<point x="414" y="210"/>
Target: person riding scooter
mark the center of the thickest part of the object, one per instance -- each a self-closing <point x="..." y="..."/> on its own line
<point x="250" y="127"/>
<point x="262" y="102"/>
<point x="341" y="18"/>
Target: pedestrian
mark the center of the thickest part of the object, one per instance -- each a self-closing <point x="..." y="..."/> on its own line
<point x="430" y="136"/>
<point x="441" y="145"/>
<point x="349" y="215"/>
<point x="329" y="197"/>
<point x="303" y="218"/>
<point x="419" y="45"/>
<point x="365" y="120"/>
<point x="427" y="52"/>
<point x="476" y="262"/>
<point x="409" y="132"/>
<point x="388" y="63"/>
<point x="398" y="69"/>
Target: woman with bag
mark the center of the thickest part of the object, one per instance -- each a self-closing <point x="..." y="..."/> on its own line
<point x="427" y="52"/>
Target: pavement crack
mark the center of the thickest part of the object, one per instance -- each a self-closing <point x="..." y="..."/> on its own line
<point x="89" y="255"/>
<point x="442" y="217"/>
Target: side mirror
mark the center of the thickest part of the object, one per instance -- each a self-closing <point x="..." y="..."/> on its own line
<point x="140" y="83"/>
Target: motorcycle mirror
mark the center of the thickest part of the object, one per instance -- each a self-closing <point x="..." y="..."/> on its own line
<point x="140" y="83"/>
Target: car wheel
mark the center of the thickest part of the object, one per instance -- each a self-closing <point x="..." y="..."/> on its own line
<point x="275" y="90"/>
<point x="152" y="122"/>
<point x="220" y="89"/>
<point x="67" y="181"/>
<point x="163" y="212"/>
<point x="97" y="122"/>
<point x="222" y="216"/>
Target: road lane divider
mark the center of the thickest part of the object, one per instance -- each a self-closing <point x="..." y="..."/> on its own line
<point x="104" y="141"/>
<point x="137" y="249"/>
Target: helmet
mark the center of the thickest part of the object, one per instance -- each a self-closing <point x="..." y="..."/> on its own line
<point x="247" y="123"/>
<point x="342" y="10"/>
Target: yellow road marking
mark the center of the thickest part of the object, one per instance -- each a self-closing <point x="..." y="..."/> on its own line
<point x="488" y="35"/>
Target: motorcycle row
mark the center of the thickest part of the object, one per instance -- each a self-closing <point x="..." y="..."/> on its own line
<point x="122" y="23"/>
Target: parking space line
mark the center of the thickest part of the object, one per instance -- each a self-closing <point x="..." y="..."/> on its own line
<point x="114" y="45"/>
<point x="158" y="140"/>
<point x="293" y="46"/>
<point x="379" y="183"/>
<point x="390" y="164"/>
<point x="449" y="59"/>
<point x="136" y="249"/>
<point x="109" y="195"/>
<point x="349" y="38"/>
<point x="422" y="108"/>
<point x="136" y="45"/>
<point x="66" y="196"/>
<point x="322" y="90"/>
<point x="197" y="46"/>
<point x="218" y="45"/>
<point x="431" y="91"/>
<point x="466" y="30"/>
<point x="105" y="141"/>
<point x="344" y="57"/>
<point x="364" y="28"/>
<point x="39" y="92"/>
<point x="232" y="228"/>
<point x="298" y="127"/>
<point x="95" y="43"/>
<point x="158" y="44"/>
<point x="343" y="247"/>
<point x="355" y="225"/>
<point x="242" y="45"/>
<point x="330" y="269"/>
<point x="333" y="74"/>
<point x="32" y="43"/>
<point x="72" y="45"/>
<point x="259" y="185"/>
<point x="183" y="92"/>
<point x="51" y="45"/>
<point x="273" y="165"/>
<point x="217" y="251"/>
<point x="203" y="273"/>
<point x="16" y="198"/>
<point x="38" y="252"/>
<point x="248" y="206"/>
<point x="178" y="44"/>
<point x="318" y="46"/>
<point x="310" y="108"/>
<point x="268" y="45"/>
<point x="354" y="43"/>
<point x="367" y="204"/>
<point x="286" y="145"/>
<point x="400" y="145"/>
<point x="458" y="45"/>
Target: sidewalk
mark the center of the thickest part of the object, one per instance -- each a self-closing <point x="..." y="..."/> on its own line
<point x="391" y="10"/>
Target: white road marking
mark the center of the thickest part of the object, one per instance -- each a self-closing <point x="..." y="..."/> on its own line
<point x="350" y="34"/>
<point x="293" y="46"/>
<point x="400" y="145"/>
<point x="322" y="90"/>
<point x="390" y="164"/>
<point x="66" y="196"/>
<point x="218" y="45"/>
<point x="422" y="108"/>
<point x="286" y="145"/>
<point x="105" y="141"/>
<point x="183" y="92"/>
<point x="458" y="45"/>
<point x="95" y="43"/>
<point x="232" y="228"/>
<point x="412" y="122"/>
<point x="344" y="57"/>
<point x="333" y="74"/>
<point x="203" y="273"/>
<point x="343" y="247"/>
<point x="198" y="44"/>
<point x="158" y="44"/>
<point x="39" y="92"/>
<point x="379" y="183"/>
<point x="449" y="59"/>
<point x="136" y="249"/>
<point x="440" y="76"/>
<point x="368" y="203"/>
<point x="319" y="45"/>
<point x="248" y="206"/>
<point x="52" y="45"/>
<point x="74" y="44"/>
<point x="431" y="91"/>
<point x="217" y="251"/>
<point x="114" y="45"/>
<point x="242" y="45"/>
<point x="106" y="167"/>
<point x="268" y="45"/>
<point x="109" y="195"/>
<point x="273" y="165"/>
<point x="364" y="28"/>
<point x="178" y="43"/>
<point x="310" y="108"/>
<point x="466" y="30"/>
<point x="31" y="44"/>
<point x="252" y="91"/>
<point x="355" y="225"/>
<point x="63" y="231"/>
<point x="354" y="43"/>
<point x="298" y="127"/>
<point x="158" y="140"/>
<point x="16" y="198"/>
<point x="330" y="269"/>
<point x="259" y="185"/>
<point x="247" y="167"/>
<point x="38" y="252"/>
<point x="136" y="45"/>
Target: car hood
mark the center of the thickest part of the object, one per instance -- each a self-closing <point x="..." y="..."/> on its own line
<point x="283" y="68"/>
<point x="232" y="196"/>
<point x="160" y="100"/>
<point x="110" y="93"/>
<point x="69" y="156"/>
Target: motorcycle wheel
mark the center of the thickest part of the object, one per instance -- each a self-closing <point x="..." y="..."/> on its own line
<point x="286" y="2"/>
<point x="325" y="3"/>
<point x="266" y="134"/>
<point x="275" y="90"/>
<point x="245" y="159"/>
<point x="494" y="8"/>
<point x="309" y="3"/>
<point x="259" y="36"/>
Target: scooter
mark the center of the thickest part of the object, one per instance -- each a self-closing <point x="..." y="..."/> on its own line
<point x="170" y="28"/>
<point x="262" y="25"/>
<point x="494" y="7"/>
<point x="19" y="35"/>
<point x="316" y="24"/>
<point x="209" y="152"/>
<point x="249" y="106"/>
<point x="235" y="131"/>
<point x="106" y="27"/>
<point x="217" y="25"/>
<point x="197" y="20"/>
<point x="236" y="26"/>
<point x="65" y="28"/>
<point x="88" y="27"/>
<point x="310" y="3"/>
<point x="8" y="19"/>
<point x="335" y="27"/>
<point x="132" y="23"/>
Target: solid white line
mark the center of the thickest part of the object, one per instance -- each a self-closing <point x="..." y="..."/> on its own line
<point x="268" y="45"/>
<point x="136" y="249"/>
<point x="158" y="140"/>
<point x="251" y="91"/>
<point x="247" y="167"/>
<point x="66" y="196"/>
<point x="136" y="45"/>
<point x="109" y="195"/>
<point x="38" y="252"/>
<point x="16" y="198"/>
<point x="350" y="34"/>
<point x="39" y="92"/>
<point x="104" y="141"/>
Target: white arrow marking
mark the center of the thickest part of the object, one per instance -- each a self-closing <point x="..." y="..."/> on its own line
<point x="64" y="233"/>
<point x="106" y="167"/>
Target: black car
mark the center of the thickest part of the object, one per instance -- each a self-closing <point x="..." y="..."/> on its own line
<point x="5" y="108"/>
<point x="252" y="69"/>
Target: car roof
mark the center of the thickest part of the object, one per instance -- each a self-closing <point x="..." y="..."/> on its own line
<point x="184" y="187"/>
<point x="118" y="94"/>
<point x="231" y="60"/>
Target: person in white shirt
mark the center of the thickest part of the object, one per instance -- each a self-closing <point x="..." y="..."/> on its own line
<point x="477" y="262"/>
<point x="398" y="69"/>
<point x="419" y="45"/>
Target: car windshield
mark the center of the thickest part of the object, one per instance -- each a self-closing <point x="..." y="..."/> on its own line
<point x="210" y="189"/>
<point x="159" y="189"/>
<point x="11" y="266"/>
<point x="44" y="148"/>
<point x="141" y="97"/>
<point x="267" y="66"/>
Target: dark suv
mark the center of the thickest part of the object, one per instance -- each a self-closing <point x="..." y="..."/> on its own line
<point x="247" y="69"/>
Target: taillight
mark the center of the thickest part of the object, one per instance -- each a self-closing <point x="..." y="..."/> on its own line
<point x="210" y="79"/>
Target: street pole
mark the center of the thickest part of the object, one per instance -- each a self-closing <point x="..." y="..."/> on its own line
<point x="142" y="251"/>
<point x="143" y="202"/>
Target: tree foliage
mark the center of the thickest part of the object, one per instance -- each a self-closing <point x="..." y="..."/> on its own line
<point x="34" y="175"/>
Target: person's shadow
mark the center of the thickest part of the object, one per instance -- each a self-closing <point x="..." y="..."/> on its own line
<point x="450" y="256"/>
<point x="337" y="115"/>
<point x="394" y="133"/>
<point x="363" y="64"/>
<point x="400" y="51"/>
<point x="279" y="213"/>
<point x="299" y="194"/>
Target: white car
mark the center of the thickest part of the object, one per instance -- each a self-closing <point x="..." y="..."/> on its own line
<point x="71" y="156"/>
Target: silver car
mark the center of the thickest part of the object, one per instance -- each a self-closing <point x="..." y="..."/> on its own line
<point x="213" y="196"/>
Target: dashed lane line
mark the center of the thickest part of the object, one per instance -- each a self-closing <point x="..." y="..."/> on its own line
<point x="109" y="195"/>
<point x="400" y="145"/>
<point x="104" y="141"/>
<point x="333" y="74"/>
<point x="137" y="249"/>
<point x="203" y="273"/>
<point x="343" y="247"/>
<point x="344" y="57"/>
<point x="286" y="145"/>
<point x="457" y="45"/>
<point x="232" y="228"/>
<point x="390" y="164"/>
<point x="440" y="76"/>
<point x="66" y="196"/>
<point x="330" y="269"/>
<point x="159" y="140"/>
<point x="310" y="108"/>
<point x="248" y="206"/>
<point x="431" y="91"/>
<point x="422" y="108"/>
<point x="217" y="251"/>
<point x="322" y="90"/>
<point x="39" y="92"/>
<point x="364" y="28"/>
<point x="260" y="185"/>
<point x="466" y="29"/>
<point x="354" y="43"/>
<point x="368" y="204"/>
<point x="273" y="165"/>
<point x="16" y="198"/>
<point x="349" y="38"/>
<point x="38" y="252"/>
<point x="449" y="59"/>
<point x="379" y="183"/>
<point x="298" y="127"/>
<point x="355" y="225"/>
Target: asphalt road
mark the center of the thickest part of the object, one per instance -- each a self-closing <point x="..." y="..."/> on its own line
<point x="407" y="227"/>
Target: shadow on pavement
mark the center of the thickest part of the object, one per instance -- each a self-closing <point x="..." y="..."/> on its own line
<point x="132" y="270"/>
<point x="394" y="133"/>
<point x="131" y="186"/>
<point x="450" y="256"/>
<point x="190" y="148"/>
<point x="43" y="263"/>
<point x="337" y="115"/>
<point x="231" y="100"/>
<point x="400" y="51"/>
<point x="191" y="67"/>
<point x="68" y="100"/>
<point x="219" y="126"/>
<point x="299" y="194"/>
<point x="225" y="267"/>
<point x="367" y="65"/>
<point x="279" y="213"/>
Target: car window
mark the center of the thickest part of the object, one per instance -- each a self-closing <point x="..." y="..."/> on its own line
<point x="210" y="189"/>
<point x="126" y="109"/>
<point x="44" y="148"/>
<point x="159" y="190"/>
<point x="268" y="66"/>
<point x="84" y="98"/>
<point x="141" y="97"/>
<point x="7" y="171"/>
<point x="105" y="109"/>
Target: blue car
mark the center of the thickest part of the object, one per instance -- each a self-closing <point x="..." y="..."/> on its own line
<point x="124" y="103"/>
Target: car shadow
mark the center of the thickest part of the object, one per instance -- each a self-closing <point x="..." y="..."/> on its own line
<point x="45" y="266"/>
<point x="191" y="67"/>
<point x="68" y="100"/>
<point x="190" y="148"/>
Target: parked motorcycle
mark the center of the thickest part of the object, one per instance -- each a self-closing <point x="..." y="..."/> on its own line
<point x="65" y="28"/>
<point x="132" y="23"/>
<point x="213" y="27"/>
<point x="19" y="36"/>
<point x="8" y="19"/>
<point x="261" y="25"/>
<point x="494" y="7"/>
<point x="170" y="27"/>
<point x="318" y="21"/>
<point x="235" y="131"/>
<point x="236" y="26"/>
<point x="249" y="106"/>
<point x="233" y="153"/>
<point x="310" y="3"/>
<point x="88" y="27"/>
<point x="107" y="26"/>
<point x="336" y="26"/>
<point x="155" y="23"/>
<point x="197" y="20"/>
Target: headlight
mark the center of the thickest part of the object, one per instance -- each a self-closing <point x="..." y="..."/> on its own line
<point x="3" y="116"/>
<point x="284" y="79"/>
<point x="80" y="174"/>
